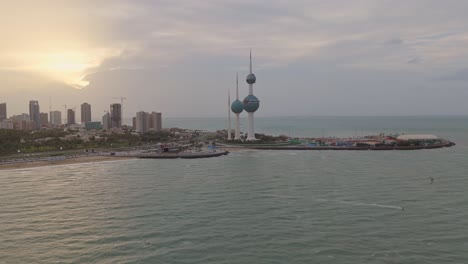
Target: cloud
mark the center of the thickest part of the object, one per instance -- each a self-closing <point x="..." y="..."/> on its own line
<point x="160" y="53"/>
<point x="415" y="60"/>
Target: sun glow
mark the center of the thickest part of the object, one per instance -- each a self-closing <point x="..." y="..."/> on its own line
<point x="69" y="67"/>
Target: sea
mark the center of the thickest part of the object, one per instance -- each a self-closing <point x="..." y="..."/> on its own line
<point x="251" y="206"/>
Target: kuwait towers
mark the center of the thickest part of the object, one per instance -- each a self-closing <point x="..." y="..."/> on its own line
<point x="251" y="103"/>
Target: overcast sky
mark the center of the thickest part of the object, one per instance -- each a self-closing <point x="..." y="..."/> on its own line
<point x="326" y="57"/>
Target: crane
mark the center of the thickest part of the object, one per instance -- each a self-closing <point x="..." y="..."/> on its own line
<point x="121" y="99"/>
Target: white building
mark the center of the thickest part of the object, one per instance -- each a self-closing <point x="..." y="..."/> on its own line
<point x="142" y="122"/>
<point x="155" y="123"/>
<point x="55" y="118"/>
<point x="106" y="121"/>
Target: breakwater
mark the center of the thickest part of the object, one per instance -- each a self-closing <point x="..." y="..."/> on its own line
<point x="295" y="147"/>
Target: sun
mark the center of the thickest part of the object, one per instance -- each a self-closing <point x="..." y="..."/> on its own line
<point x="68" y="67"/>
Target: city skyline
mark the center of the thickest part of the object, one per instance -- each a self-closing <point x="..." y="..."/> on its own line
<point x="315" y="58"/>
<point x="36" y="119"/>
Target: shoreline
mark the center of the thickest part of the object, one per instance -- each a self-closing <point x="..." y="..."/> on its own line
<point x="68" y="161"/>
<point x="226" y="149"/>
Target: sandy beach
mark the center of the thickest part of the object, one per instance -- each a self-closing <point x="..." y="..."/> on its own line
<point x="73" y="160"/>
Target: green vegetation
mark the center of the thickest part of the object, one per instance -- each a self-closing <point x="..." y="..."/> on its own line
<point x="59" y="140"/>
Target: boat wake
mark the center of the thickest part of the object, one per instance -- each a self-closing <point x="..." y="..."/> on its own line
<point x="338" y="201"/>
<point x="361" y="204"/>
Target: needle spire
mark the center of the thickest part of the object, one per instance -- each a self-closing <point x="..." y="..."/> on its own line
<point x="250" y="60"/>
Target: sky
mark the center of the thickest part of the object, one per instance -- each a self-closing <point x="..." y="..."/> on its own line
<point x="311" y="57"/>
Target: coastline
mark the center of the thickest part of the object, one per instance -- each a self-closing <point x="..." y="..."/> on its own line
<point x="74" y="160"/>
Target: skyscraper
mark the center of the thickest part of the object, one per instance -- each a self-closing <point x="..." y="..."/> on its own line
<point x="142" y="122"/>
<point x="106" y="121"/>
<point x="44" y="119"/>
<point x="3" y="112"/>
<point x="71" y="117"/>
<point x="116" y="115"/>
<point x="251" y="103"/>
<point x="85" y="113"/>
<point x="155" y="122"/>
<point x="55" y="118"/>
<point x="34" y="114"/>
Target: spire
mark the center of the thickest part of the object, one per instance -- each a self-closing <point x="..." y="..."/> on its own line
<point x="229" y="115"/>
<point x="237" y="86"/>
<point x="250" y="60"/>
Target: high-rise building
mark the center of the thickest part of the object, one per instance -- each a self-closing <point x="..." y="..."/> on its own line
<point x="106" y="121"/>
<point x="134" y="123"/>
<point x="3" y="112"/>
<point x="251" y="103"/>
<point x="116" y="115"/>
<point x="44" y="119"/>
<point x="85" y="113"/>
<point x="71" y="117"/>
<point x="34" y="114"/>
<point x="55" y="118"/>
<point x="155" y="122"/>
<point x="142" y="122"/>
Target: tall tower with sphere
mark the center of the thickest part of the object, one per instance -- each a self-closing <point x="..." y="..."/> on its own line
<point x="251" y="103"/>
<point x="237" y="107"/>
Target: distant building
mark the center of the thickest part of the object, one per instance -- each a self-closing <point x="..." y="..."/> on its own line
<point x="134" y="123"/>
<point x="55" y="118"/>
<point x="34" y="114"/>
<point x="106" y="121"/>
<point x="7" y="124"/>
<point x="142" y="122"/>
<point x="93" y="125"/>
<point x="85" y="113"/>
<point x="155" y="123"/>
<point x="20" y="117"/>
<point x="116" y="115"/>
<point x="145" y="122"/>
<point x="3" y="112"/>
<point x="71" y="117"/>
<point x="22" y="124"/>
<point x="44" y="119"/>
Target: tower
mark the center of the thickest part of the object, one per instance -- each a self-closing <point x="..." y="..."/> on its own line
<point x="237" y="107"/>
<point x="251" y="103"/>
<point x="229" y="116"/>
<point x="116" y="115"/>
<point x="34" y="114"/>
<point x="85" y="113"/>
<point x="71" y="117"/>
<point x="3" y="112"/>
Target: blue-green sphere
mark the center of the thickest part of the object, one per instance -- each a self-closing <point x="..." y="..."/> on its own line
<point x="251" y="79"/>
<point x="237" y="107"/>
<point x="251" y="103"/>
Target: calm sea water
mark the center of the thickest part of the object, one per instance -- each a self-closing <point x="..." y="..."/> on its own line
<point x="250" y="206"/>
